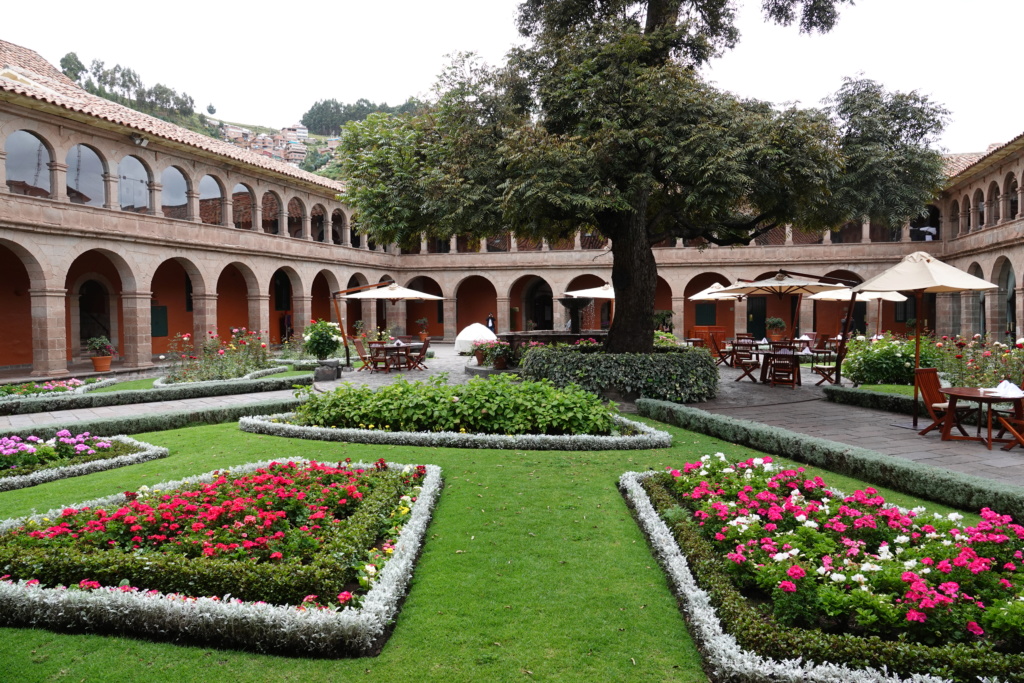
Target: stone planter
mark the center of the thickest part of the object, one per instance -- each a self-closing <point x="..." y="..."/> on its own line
<point x="101" y="363"/>
<point x="326" y="370"/>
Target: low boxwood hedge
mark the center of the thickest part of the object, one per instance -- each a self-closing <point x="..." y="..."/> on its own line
<point x="684" y="375"/>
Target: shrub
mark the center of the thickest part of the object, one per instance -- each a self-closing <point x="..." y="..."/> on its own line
<point x="322" y="338"/>
<point x="889" y="360"/>
<point x="683" y="375"/>
<point x="216" y="358"/>
<point x="495" y="405"/>
<point x="978" y="362"/>
<point x="47" y="387"/>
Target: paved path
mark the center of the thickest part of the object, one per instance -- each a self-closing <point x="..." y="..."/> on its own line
<point x="801" y="410"/>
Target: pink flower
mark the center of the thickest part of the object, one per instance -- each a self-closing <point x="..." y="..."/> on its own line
<point x="275" y="556"/>
<point x="973" y="627"/>
<point x="914" y="615"/>
<point x="787" y="586"/>
<point x="796" y="572"/>
<point x="344" y="597"/>
<point x="220" y="352"/>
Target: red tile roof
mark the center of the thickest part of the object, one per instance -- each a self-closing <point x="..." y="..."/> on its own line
<point x="957" y="163"/>
<point x="48" y="84"/>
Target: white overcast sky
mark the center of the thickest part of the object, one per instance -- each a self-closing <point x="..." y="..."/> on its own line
<point x="267" y="63"/>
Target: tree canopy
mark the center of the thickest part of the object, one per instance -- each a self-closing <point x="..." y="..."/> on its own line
<point x="602" y="123"/>
<point x="326" y="117"/>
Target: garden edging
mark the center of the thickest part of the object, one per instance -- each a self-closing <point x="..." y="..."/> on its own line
<point x="148" y="452"/>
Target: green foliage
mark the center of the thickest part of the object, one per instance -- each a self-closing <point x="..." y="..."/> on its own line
<point x="216" y="358"/>
<point x="100" y="346"/>
<point x="889" y="360"/>
<point x="685" y="375"/>
<point x="496" y="405"/>
<point x="665" y="339"/>
<point x="322" y="339"/>
<point x="774" y="324"/>
<point x="326" y="117"/>
<point x="977" y="361"/>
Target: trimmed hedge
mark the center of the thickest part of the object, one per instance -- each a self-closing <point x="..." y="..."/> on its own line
<point x="156" y="422"/>
<point x="684" y="375"/>
<point x="759" y="632"/>
<point x="173" y="392"/>
<point x="932" y="483"/>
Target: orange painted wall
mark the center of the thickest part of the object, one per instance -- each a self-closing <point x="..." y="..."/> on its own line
<point x="414" y="310"/>
<point x="88" y="264"/>
<point x="278" y="319"/>
<point x="169" y="290"/>
<point x="232" y="300"/>
<point x="16" y="309"/>
<point x="475" y="299"/>
<point x="321" y="304"/>
<point x="725" y="311"/>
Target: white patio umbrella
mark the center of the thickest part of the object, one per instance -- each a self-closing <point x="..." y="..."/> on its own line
<point x="780" y="284"/>
<point x="605" y="291"/>
<point x="845" y="294"/>
<point x="393" y="292"/>
<point x="714" y="293"/>
<point x="922" y="273"/>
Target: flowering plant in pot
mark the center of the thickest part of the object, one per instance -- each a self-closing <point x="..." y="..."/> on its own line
<point x="497" y="353"/>
<point x="102" y="351"/>
<point x="776" y="328"/>
<point x="423" y="322"/>
<point x="322" y="339"/>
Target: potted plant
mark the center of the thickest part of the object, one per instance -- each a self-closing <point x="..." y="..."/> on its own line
<point x="498" y="354"/>
<point x="480" y="347"/>
<point x="423" y="322"/>
<point x="322" y="339"/>
<point x="102" y="353"/>
<point x="776" y="328"/>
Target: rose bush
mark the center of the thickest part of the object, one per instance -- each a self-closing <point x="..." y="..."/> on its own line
<point x="217" y="358"/>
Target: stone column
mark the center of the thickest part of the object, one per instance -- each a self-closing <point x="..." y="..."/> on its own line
<point x="138" y="342"/>
<point x="49" y="340"/>
<point x="204" y="315"/>
<point x="257" y="215"/>
<point x="865" y="230"/>
<point x="503" y="318"/>
<point x="1020" y="195"/>
<point x="451" y="323"/>
<point x="1004" y="207"/>
<point x="227" y="211"/>
<point x="943" y="312"/>
<point x="156" y="199"/>
<point x="453" y="245"/>
<point x="964" y="218"/>
<point x="577" y="244"/>
<point x="679" y="316"/>
<point x="3" y="172"/>
<point x="424" y="245"/>
<point x="259" y="315"/>
<point x="1019" y="312"/>
<point x="58" y="181"/>
<point x="513" y="243"/>
<point x="789" y="235"/>
<point x="192" y="200"/>
<point x="827" y="237"/>
<point x="483" y="245"/>
<point x="282" y="220"/>
<point x="740" y="313"/>
<point x="805" y="316"/>
<point x="544" y="245"/>
<point x="346" y="234"/>
<point x="905" y="232"/>
<point x="307" y="232"/>
<point x="302" y="309"/>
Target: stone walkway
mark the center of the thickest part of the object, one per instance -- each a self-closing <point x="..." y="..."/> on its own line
<point x="801" y="410"/>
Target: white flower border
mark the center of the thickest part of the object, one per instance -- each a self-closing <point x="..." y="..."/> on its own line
<point x="724" y="656"/>
<point x="51" y="394"/>
<point x="161" y="382"/>
<point x="145" y="453"/>
<point x="647" y="438"/>
<point x="245" y="625"/>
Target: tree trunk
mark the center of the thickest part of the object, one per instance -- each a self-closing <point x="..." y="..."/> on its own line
<point x="634" y="279"/>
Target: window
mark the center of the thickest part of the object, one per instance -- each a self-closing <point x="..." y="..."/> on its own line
<point x="706" y="314"/>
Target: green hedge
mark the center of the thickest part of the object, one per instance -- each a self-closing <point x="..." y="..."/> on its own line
<point x="156" y="422"/>
<point x="758" y="631"/>
<point x="962" y="491"/>
<point x="686" y="375"/>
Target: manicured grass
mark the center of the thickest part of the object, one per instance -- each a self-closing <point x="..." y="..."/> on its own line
<point x="145" y="384"/>
<point x="902" y="389"/>
<point x="533" y="570"/>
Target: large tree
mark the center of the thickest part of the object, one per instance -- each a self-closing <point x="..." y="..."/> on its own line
<point x="603" y="123"/>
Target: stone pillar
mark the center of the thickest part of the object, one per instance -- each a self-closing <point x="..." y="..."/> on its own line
<point x="503" y="318"/>
<point x="424" y="245"/>
<point x="346" y="234"/>
<point x="192" y="200"/>
<point x="964" y="226"/>
<point x="544" y="246"/>
<point x="577" y="244"/>
<point x="740" y="313"/>
<point x="979" y="215"/>
<point x="282" y="220"/>
<point x="307" y="232"/>
<point x="1004" y="207"/>
<point x="453" y="245"/>
<point x="513" y="243"/>
<point x="865" y="230"/>
<point x="49" y="340"/>
<point x="3" y="172"/>
<point x="156" y="199"/>
<point x="301" y="310"/>
<point x="370" y="321"/>
<point x="451" y="322"/>
<point x="560" y="316"/>
<point x="1020" y="195"/>
<point x="789" y="235"/>
<point x="1019" y="313"/>
<point x="227" y="211"/>
<point x="138" y="342"/>
<point x="679" y="316"/>
<point x="827" y="237"/>
<point x="204" y="315"/>
<point x="905" y="232"/>
<point x="483" y="245"/>
<point x="58" y="181"/>
<point x="257" y="215"/>
<point x="805" y="316"/>
<point x="259" y="315"/>
<point x="943" y="313"/>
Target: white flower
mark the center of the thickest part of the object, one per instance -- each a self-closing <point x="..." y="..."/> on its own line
<point x="822" y="571"/>
<point x="859" y="578"/>
<point x="954" y="516"/>
<point x="801" y="518"/>
<point x="758" y="461"/>
<point x="370" y="569"/>
<point x="910" y="564"/>
<point x="779" y="557"/>
<point x="902" y="539"/>
<point x="838" y="578"/>
<point x="811" y="524"/>
<point x="868" y="567"/>
<point x="728" y="470"/>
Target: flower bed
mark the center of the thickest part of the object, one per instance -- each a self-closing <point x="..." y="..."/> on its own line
<point x="846" y="580"/>
<point x="12" y="392"/>
<point x="165" y="382"/>
<point x="292" y="557"/>
<point x="31" y="460"/>
<point x="217" y="358"/>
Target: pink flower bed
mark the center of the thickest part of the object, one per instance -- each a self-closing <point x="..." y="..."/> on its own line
<point x="854" y="564"/>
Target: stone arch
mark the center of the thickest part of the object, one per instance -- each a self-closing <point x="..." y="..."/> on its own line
<point x="354" y="307"/>
<point x="175" y="282"/>
<point x="211" y="200"/>
<point x="243" y="201"/>
<point x="296" y="217"/>
<point x="19" y="344"/>
<point x="975" y="305"/>
<point x="85" y="182"/>
<point x="597" y="315"/>
<point x="338" y="222"/>
<point x="237" y="293"/>
<point x="700" y="315"/>
<point x="324" y="284"/>
<point x="954" y="218"/>
<point x="318" y="227"/>
<point x="979" y="209"/>
<point x="432" y="311"/>
<point x="134" y="184"/>
<point x="992" y="201"/>
<point x="475" y="298"/>
<point x="662" y="295"/>
<point x="1010" y="188"/>
<point x="532" y="295"/>
<point x="28" y="164"/>
<point x="1003" y="307"/>
<point x="175" y="186"/>
<point x="287" y="309"/>
<point x="96" y="280"/>
<point x="271" y="203"/>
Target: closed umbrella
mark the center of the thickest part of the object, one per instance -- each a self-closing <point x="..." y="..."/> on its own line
<point x="922" y="273"/>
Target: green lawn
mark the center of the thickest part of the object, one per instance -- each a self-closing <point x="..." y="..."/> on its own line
<point x="533" y="570"/>
<point x="145" y="384"/>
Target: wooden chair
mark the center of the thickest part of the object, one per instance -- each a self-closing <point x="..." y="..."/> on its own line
<point x="744" y="359"/>
<point x="720" y="354"/>
<point x="374" y="362"/>
<point x="416" y="362"/>
<point x="1014" y="427"/>
<point x="825" y="363"/>
<point x="785" y="368"/>
<point x="937" y="406"/>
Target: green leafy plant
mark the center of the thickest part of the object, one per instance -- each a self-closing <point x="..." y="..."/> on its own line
<point x="322" y="338"/>
<point x="889" y="360"/>
<point x="216" y="358"/>
<point x="422" y="322"/>
<point x="100" y="346"/>
<point x="774" y="324"/>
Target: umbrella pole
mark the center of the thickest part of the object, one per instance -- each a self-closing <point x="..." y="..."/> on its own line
<point x="843" y="334"/>
<point x="919" y="301"/>
<point x="344" y="336"/>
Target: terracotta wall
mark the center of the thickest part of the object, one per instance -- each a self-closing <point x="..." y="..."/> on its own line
<point x="321" y="304"/>
<point x="89" y="264"/>
<point x="476" y="298"/>
<point x="169" y="290"/>
<point x="232" y="300"/>
<point x="16" y="309"/>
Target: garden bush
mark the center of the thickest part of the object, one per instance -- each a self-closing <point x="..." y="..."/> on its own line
<point x="217" y="358"/>
<point x="977" y="361"/>
<point x="495" y="405"/>
<point x="889" y="360"/>
<point x="683" y="375"/>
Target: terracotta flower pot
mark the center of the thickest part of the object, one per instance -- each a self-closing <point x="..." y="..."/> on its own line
<point x="500" y="362"/>
<point x="479" y="357"/>
<point x="101" y="363"/>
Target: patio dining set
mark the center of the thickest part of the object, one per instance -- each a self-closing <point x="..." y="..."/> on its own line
<point x="779" y="361"/>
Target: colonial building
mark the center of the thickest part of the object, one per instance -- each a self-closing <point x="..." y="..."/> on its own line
<point x="119" y="224"/>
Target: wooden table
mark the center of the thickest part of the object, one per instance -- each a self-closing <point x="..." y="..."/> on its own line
<point x="983" y="397"/>
<point x="768" y="357"/>
<point x="397" y="353"/>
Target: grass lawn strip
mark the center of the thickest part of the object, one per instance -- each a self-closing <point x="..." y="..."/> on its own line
<point x="161" y="382"/>
<point x="648" y="437"/>
<point x="724" y="657"/>
<point x="223" y="621"/>
<point x="144" y="453"/>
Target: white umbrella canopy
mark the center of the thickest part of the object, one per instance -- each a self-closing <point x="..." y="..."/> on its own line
<point x="474" y="332"/>
<point x="844" y="294"/>
<point x="714" y="293"/>
<point x="392" y="291"/>
<point x="779" y="284"/>
<point x="922" y="272"/>
<point x="605" y="291"/>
